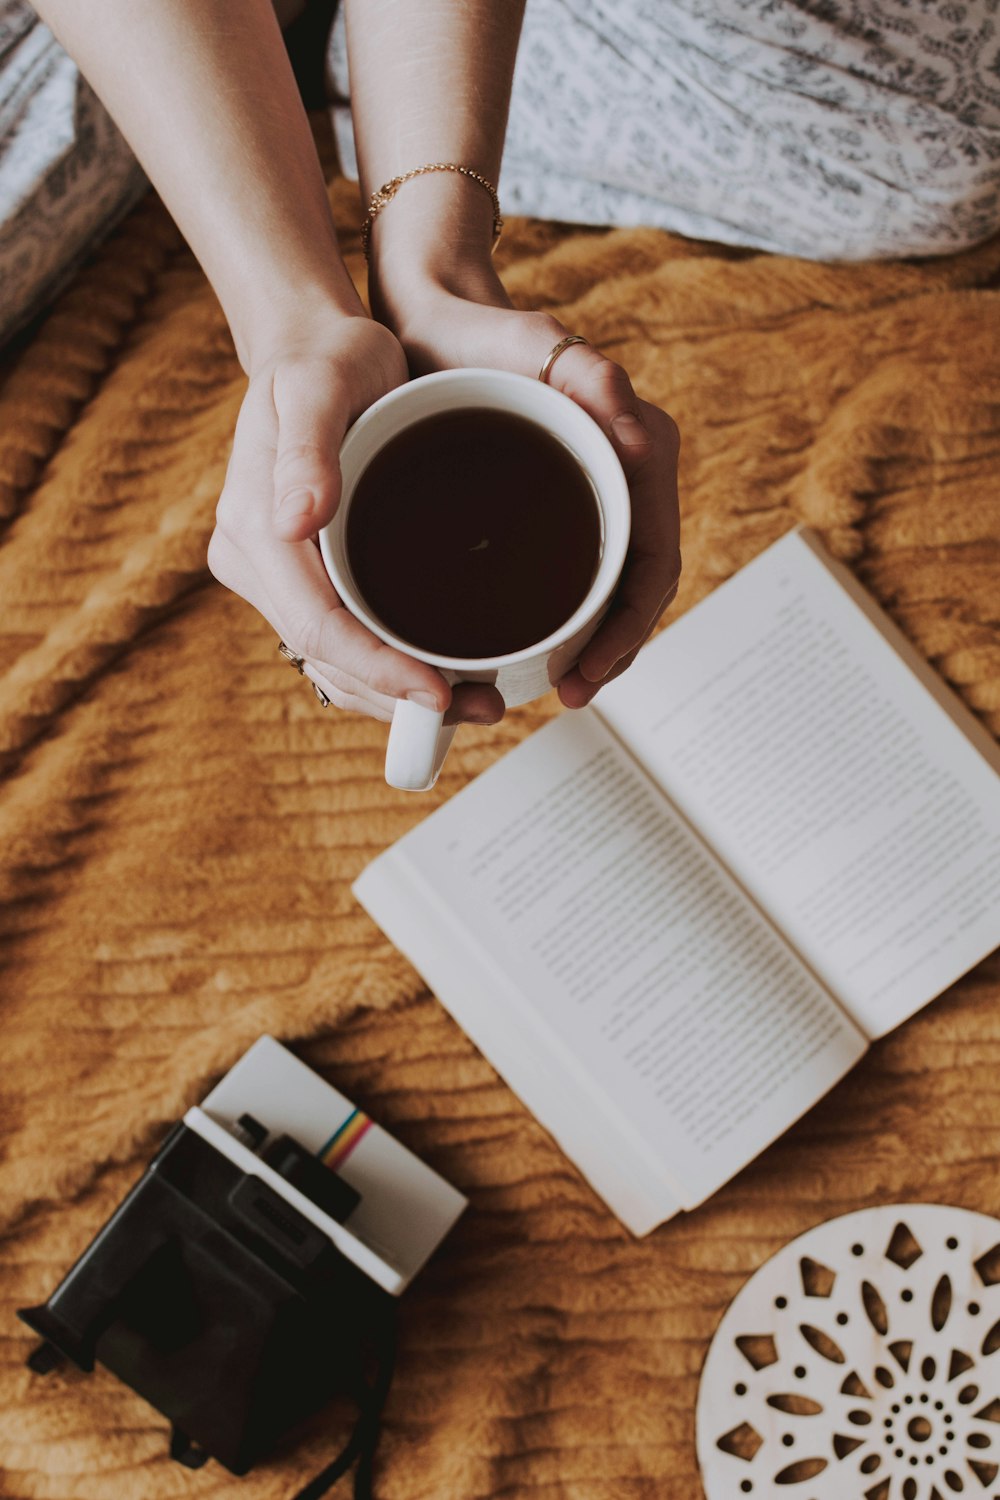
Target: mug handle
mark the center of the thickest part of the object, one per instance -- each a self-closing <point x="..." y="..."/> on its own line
<point x="418" y="744"/>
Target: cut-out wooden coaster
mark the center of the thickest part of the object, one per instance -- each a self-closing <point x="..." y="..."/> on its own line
<point x="862" y="1362"/>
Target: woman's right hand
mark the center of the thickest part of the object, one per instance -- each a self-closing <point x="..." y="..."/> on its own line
<point x="283" y="484"/>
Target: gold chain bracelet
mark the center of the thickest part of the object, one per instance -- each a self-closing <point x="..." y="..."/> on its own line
<point x="388" y="191"/>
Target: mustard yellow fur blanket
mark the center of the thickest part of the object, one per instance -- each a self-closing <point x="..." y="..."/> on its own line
<point x="180" y="823"/>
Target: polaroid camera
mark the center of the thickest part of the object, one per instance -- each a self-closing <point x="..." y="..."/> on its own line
<point x="252" y="1273"/>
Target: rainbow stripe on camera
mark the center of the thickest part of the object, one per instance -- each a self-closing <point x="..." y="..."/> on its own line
<point x="344" y="1139"/>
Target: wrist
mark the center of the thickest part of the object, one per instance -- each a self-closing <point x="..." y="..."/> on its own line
<point x="420" y="302"/>
<point x="360" y="354"/>
<point x="432" y="241"/>
<point x="295" y="314"/>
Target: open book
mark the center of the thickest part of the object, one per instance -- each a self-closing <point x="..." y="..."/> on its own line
<point x="674" y="920"/>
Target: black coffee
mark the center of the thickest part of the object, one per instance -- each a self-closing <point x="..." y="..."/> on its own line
<point x="473" y="533"/>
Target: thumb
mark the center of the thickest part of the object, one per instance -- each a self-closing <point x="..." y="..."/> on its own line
<point x="313" y="412"/>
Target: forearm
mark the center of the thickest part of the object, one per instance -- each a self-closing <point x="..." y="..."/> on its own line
<point x="430" y="81"/>
<point x="205" y="96"/>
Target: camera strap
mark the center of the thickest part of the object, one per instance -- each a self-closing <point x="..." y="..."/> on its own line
<point x="371" y="1398"/>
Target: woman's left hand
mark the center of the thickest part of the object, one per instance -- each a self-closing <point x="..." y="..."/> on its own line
<point x="442" y="329"/>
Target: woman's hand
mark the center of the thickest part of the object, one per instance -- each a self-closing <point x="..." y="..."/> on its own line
<point x="430" y="84"/>
<point x="474" y="324"/>
<point x="206" y="97"/>
<point x="283" y="485"/>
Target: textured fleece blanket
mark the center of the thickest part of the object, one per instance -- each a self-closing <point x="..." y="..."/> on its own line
<point x="180" y="823"/>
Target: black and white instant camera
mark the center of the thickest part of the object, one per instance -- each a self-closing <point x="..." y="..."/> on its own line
<point x="253" y="1271"/>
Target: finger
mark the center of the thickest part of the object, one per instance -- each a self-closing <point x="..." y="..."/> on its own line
<point x="475" y="703"/>
<point x="328" y="634"/>
<point x="646" y="443"/>
<point x="313" y="411"/>
<point x="287" y="583"/>
<point x="576" y="690"/>
<point x="316" y="625"/>
<point x="605" y="392"/>
<point x="472" y="702"/>
<point x="343" y="692"/>
<point x="647" y="587"/>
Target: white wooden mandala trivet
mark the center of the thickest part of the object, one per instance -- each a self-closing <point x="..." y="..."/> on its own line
<point x="861" y="1363"/>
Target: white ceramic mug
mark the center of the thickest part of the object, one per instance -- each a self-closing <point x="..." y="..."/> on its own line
<point x="418" y="740"/>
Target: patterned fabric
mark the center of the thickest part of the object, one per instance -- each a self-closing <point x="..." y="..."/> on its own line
<point x="831" y="129"/>
<point x="66" y="174"/>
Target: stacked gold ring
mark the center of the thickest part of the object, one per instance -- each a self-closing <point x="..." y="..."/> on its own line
<point x="298" y="662"/>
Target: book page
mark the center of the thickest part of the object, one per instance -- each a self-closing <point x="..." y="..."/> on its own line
<point x="629" y="956"/>
<point x="828" y="777"/>
<point x="480" y="997"/>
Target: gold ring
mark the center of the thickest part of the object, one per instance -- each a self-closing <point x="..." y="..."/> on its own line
<point x="297" y="662"/>
<point x="321" y="695"/>
<point x="553" y="354"/>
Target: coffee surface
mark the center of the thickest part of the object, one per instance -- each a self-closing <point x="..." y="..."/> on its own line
<point x="473" y="533"/>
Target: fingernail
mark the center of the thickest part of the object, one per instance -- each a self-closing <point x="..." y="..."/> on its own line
<point x="426" y="700"/>
<point x="295" y="504"/>
<point x="629" y="431"/>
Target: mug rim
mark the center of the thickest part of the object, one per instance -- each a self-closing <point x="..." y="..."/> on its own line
<point x="609" y="568"/>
